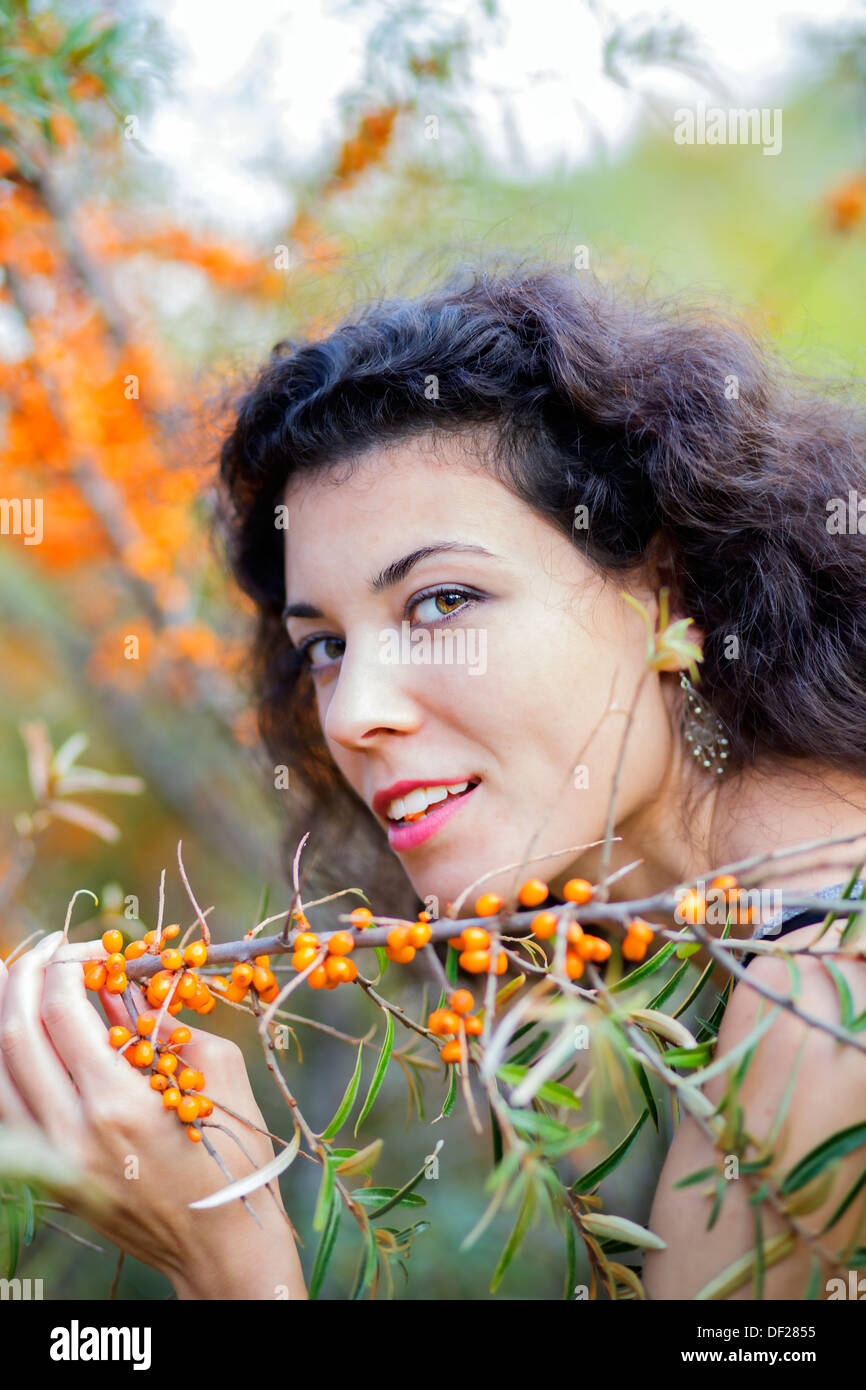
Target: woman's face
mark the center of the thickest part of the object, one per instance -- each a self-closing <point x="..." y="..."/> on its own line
<point x="509" y="693"/>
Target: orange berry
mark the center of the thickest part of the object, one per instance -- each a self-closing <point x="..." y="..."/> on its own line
<point x="188" y="986"/>
<point x="533" y="892"/>
<point x="267" y="996"/>
<point x="456" y="942"/>
<point x="341" y="943"/>
<point x="577" y="890"/>
<point x="135" y="949"/>
<point x="117" y="1036"/>
<point x="174" y="1008"/>
<point x="419" y="935"/>
<point x="725" y="882"/>
<point x="401" y="955"/>
<point x="443" y="1021"/>
<point x="338" y="968"/>
<point x="300" y="960"/>
<point x="632" y="949"/>
<point x="112" y="941"/>
<point x="194" y="1134"/>
<point x="171" y="1098"/>
<point x="488" y="905"/>
<point x="451" y="1051"/>
<point x="302" y="941"/>
<point x="236" y="994"/>
<point x="242" y="974"/>
<point x="264" y="979"/>
<point x="501" y="964"/>
<point x="474" y="961"/>
<point x="195" y="954"/>
<point x="187" y="1109"/>
<point x="462" y="1001"/>
<point x="95" y="975"/>
<point x="207" y="1007"/>
<point x="161" y="985"/>
<point x="115" y="963"/>
<point x="640" y="930"/>
<point x="205" y="1107"/>
<point x="361" y="917"/>
<point x="142" y="1053"/>
<point x="219" y="983"/>
<point x="318" y="978"/>
<point x="179" y="1036"/>
<point x="116" y="984"/>
<point x="169" y="933"/>
<point x="144" y="1025"/>
<point x="574" y="966"/>
<point x="264" y="961"/>
<point x="398" y="937"/>
<point x="600" y="949"/>
<point x="157" y="1082"/>
<point x="573" y="933"/>
<point x="473" y="1026"/>
<point x="172" y="959"/>
<point x="149" y="938"/>
<point x="186" y="1078"/>
<point x="692" y="907"/>
<point x="475" y="939"/>
<point x="167" y="1063"/>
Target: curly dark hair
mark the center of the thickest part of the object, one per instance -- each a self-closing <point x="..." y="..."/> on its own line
<point x="679" y="428"/>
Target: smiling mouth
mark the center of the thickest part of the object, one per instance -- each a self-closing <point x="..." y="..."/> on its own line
<point x="409" y="818"/>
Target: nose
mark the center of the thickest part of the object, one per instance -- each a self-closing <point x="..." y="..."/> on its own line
<point x="371" y="695"/>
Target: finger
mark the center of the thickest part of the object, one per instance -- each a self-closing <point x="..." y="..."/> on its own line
<point x="13" y="1109"/>
<point x="26" y="1048"/>
<point x="75" y="1027"/>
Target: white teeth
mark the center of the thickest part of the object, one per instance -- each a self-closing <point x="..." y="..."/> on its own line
<point x="420" y="799"/>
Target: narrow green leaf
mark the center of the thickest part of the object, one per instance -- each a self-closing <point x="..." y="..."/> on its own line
<point x="324" y="1201"/>
<point x="348" y="1099"/>
<point x="450" y="1097"/>
<point x="843" y="1142"/>
<point x="813" y="1286"/>
<point x="621" y="1229"/>
<point x="371" y="1196"/>
<point x="614" y="1158"/>
<point x="570" y="1258"/>
<point x="29" y="1215"/>
<point x="643" y="972"/>
<point x="405" y="1196"/>
<point x="846" y="1002"/>
<point x="739" y="1271"/>
<point x="496" y="1137"/>
<point x="366" y="1265"/>
<point x="700" y="1176"/>
<point x="515" y="1240"/>
<point x="845" y="1203"/>
<point x="326" y="1246"/>
<point x="13" y="1235"/>
<point x="381" y="1068"/>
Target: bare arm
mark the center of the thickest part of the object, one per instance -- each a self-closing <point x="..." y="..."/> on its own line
<point x="829" y="1095"/>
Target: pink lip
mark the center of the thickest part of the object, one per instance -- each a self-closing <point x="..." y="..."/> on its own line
<point x="404" y="837"/>
<point x="382" y="800"/>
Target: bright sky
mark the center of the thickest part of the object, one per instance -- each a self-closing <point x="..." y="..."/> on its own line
<point x="265" y="76"/>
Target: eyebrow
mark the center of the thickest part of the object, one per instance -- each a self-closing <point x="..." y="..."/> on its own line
<point x="392" y="574"/>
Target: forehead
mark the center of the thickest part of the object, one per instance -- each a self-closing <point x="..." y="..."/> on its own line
<point x="400" y="491"/>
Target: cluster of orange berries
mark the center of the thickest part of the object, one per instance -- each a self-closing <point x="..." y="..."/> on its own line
<point x="187" y="988"/>
<point x="457" y="1018"/>
<point x="258" y="976"/>
<point x="403" y="942"/>
<point x="693" y="905"/>
<point x="177" y="1083"/>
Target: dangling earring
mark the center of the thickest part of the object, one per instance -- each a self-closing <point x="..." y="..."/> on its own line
<point x="703" y="730"/>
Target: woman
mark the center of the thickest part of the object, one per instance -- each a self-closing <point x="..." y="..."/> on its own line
<point x="504" y="459"/>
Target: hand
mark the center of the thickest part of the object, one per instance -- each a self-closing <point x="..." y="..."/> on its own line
<point x="60" y="1076"/>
